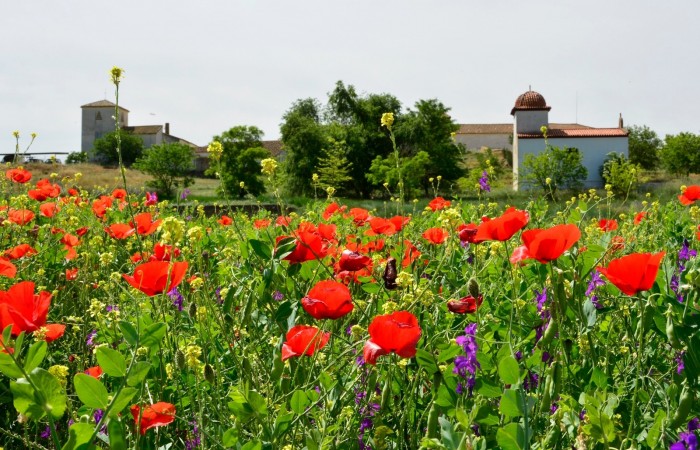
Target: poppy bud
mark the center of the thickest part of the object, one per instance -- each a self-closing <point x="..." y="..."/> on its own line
<point x="209" y="374"/>
<point x="205" y="254"/>
<point x="390" y="273"/>
<point x="180" y="359"/>
<point x="473" y="288"/>
<point x="192" y="311"/>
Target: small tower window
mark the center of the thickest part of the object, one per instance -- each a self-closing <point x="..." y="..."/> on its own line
<point x="98" y="116"/>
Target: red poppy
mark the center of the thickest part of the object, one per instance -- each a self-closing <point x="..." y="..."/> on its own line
<point x="44" y="189"/>
<point x="100" y="206"/>
<point x="20" y="217"/>
<point x="152" y="416"/>
<point x="225" y="220"/>
<point x="259" y="224"/>
<point x="359" y="215"/>
<point x="18" y="175"/>
<point x="502" y="228"/>
<point x="328" y="299"/>
<point x="164" y="252"/>
<point x="352" y="261"/>
<point x="379" y="225"/>
<point x="71" y="274"/>
<point x="467" y="232"/>
<point x="120" y="230"/>
<point x="410" y="253"/>
<point x="398" y="332"/>
<point x="519" y="255"/>
<point x="151" y="199"/>
<point x="346" y="276"/>
<point x="327" y="231"/>
<point x="119" y="194"/>
<point x="7" y="269"/>
<point x="439" y="203"/>
<point x="70" y="240"/>
<point x="309" y="247"/>
<point x="81" y="231"/>
<point x="436" y="235"/>
<point x="607" y="224"/>
<point x="156" y="277"/>
<point x="53" y="331"/>
<point x="399" y="222"/>
<point x="332" y="209"/>
<point x="690" y="195"/>
<point x="145" y="224"/>
<point x="19" y="251"/>
<point x="48" y="209"/>
<point x="465" y="305"/>
<point x="73" y="192"/>
<point x="633" y="273"/>
<point x="548" y="244"/>
<point x="23" y="309"/>
<point x="95" y="371"/>
<point x="639" y="217"/>
<point x="303" y="340"/>
<point x="283" y="221"/>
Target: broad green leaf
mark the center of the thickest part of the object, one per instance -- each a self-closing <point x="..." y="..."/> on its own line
<point x="447" y="398"/>
<point x="23" y="399"/>
<point x="111" y="361"/>
<point x="138" y="373"/>
<point x="590" y="312"/>
<point x="299" y="401"/>
<point x="511" y="403"/>
<point x="511" y="437"/>
<point x="487" y="388"/>
<point x="654" y="434"/>
<point x="91" y="391"/>
<point x="52" y="391"/>
<point x="79" y="437"/>
<point x="261" y="249"/>
<point x="599" y="378"/>
<point x="115" y="429"/>
<point x="371" y="288"/>
<point x="7" y="334"/>
<point x="8" y="367"/>
<point x="282" y="423"/>
<point x="508" y="370"/>
<point x="230" y="438"/>
<point x="121" y="401"/>
<point x="426" y="361"/>
<point x="35" y="356"/>
<point x="253" y="445"/>
<point x="153" y="334"/>
<point x="257" y="402"/>
<point x="129" y="331"/>
<point x="449" y="437"/>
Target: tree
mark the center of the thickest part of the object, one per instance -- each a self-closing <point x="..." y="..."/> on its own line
<point x="413" y="170"/>
<point x="104" y="149"/>
<point x="333" y="167"/>
<point x="170" y="165"/>
<point x="555" y="168"/>
<point x="681" y="154"/>
<point x="77" y="158"/>
<point x="644" y="146"/>
<point x="240" y="160"/>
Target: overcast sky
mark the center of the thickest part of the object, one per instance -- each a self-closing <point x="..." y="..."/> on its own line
<point x="205" y="66"/>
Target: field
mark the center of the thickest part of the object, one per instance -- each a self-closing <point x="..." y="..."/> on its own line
<point x="504" y="321"/>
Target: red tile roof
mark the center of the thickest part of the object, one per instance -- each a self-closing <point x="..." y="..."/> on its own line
<point x="507" y="128"/>
<point x="577" y="133"/>
<point x="530" y="100"/>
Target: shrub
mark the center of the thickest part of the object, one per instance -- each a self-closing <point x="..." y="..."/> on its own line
<point x="105" y="148"/>
<point x="77" y="158"/>
<point x="169" y="165"/>
<point x="555" y="168"/>
<point x="620" y="174"/>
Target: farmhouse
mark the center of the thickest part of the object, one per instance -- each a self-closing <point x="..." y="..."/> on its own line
<point x="524" y="137"/>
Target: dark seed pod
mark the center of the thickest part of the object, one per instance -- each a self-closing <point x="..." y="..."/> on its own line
<point x="473" y="288"/>
<point x="180" y="359"/>
<point x="209" y="374"/>
<point x="390" y="274"/>
<point x="192" y="311"/>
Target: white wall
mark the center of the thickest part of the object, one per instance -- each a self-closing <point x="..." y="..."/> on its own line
<point x="530" y="121"/>
<point x="94" y="128"/>
<point x="477" y="141"/>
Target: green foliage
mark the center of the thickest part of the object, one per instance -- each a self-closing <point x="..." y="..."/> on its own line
<point x="413" y="171"/>
<point x="77" y="158"/>
<point x="644" y="145"/>
<point x="681" y="154"/>
<point x="333" y="167"/>
<point x="240" y="161"/>
<point x="621" y="174"/>
<point x="104" y="149"/>
<point x="555" y="168"/>
<point x="170" y="165"/>
<point x="304" y="139"/>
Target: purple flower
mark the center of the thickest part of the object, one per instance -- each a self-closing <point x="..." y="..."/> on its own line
<point x="277" y="296"/>
<point x="694" y="424"/>
<point x="97" y="415"/>
<point x="184" y="194"/>
<point x="541" y="299"/>
<point x="46" y="433"/>
<point x="110" y="308"/>
<point x="466" y="365"/>
<point x="484" y="182"/>
<point x="595" y="282"/>
<point x="217" y="292"/>
<point x="679" y="361"/>
<point x="531" y="381"/>
<point x="686" y="252"/>
<point x="91" y="338"/>
<point x="176" y="297"/>
<point x="687" y="441"/>
<point x="194" y="442"/>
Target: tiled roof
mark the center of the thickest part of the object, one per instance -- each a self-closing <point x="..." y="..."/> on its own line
<point x="530" y="100"/>
<point x="274" y="147"/>
<point x="102" y="104"/>
<point x="144" y="129"/>
<point x="507" y="128"/>
<point x="577" y="133"/>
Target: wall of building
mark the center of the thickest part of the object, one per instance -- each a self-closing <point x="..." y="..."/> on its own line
<point x="96" y="122"/>
<point x="530" y="121"/>
<point x="152" y="139"/>
<point x="593" y="149"/>
<point x="477" y="141"/>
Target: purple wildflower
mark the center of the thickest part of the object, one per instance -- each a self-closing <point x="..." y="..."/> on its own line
<point x="184" y="194"/>
<point x="46" y="433"/>
<point x="91" y="338"/>
<point x="176" y="297"/>
<point x="595" y="282"/>
<point x="541" y="299"/>
<point x="694" y="424"/>
<point x="679" y="361"/>
<point x="466" y="365"/>
<point x="110" y="308"/>
<point x="531" y="381"/>
<point x="684" y="254"/>
<point x="217" y="292"/>
<point x="687" y="441"/>
<point x="194" y="442"/>
<point x="484" y="182"/>
<point x="277" y="296"/>
<point x="553" y="408"/>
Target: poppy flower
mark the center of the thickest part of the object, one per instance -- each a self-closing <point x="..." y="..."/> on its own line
<point x="332" y="209"/>
<point x="70" y="240"/>
<point x="379" y="225"/>
<point x="398" y="332"/>
<point x="309" y="247"/>
<point x="639" y="217"/>
<point x="81" y="231"/>
<point x="438" y="203"/>
<point x="519" y="255"/>
<point x="19" y="251"/>
<point x="283" y="221"/>
<point x="155" y="277"/>
<point x="20" y="217"/>
<point x="352" y="261"/>
<point x="7" y="269"/>
<point x="18" y="175"/>
<point x="359" y="215"/>
<point x="399" y="222"/>
<point x="467" y="232"/>
<point x="44" y="190"/>
<point x="607" y="224"/>
<point x="152" y="416"/>
<point x="303" y="340"/>
<point x="95" y="371"/>
<point x="436" y="235"/>
<point x="465" y="305"/>
<point x="71" y="274"/>
<point x="328" y="299"/>
<point x="23" y="309"/>
<point x="144" y="224"/>
<point x="164" y="252"/>
<point x="502" y="228"/>
<point x="327" y="231"/>
<point x="119" y="194"/>
<point x="151" y="199"/>
<point x="53" y="331"/>
<point x="101" y="205"/>
<point x="549" y="244"/>
<point x="260" y="224"/>
<point x="410" y="253"/>
<point x="48" y="209"/>
<point x="225" y="221"/>
<point x="119" y="230"/>
<point x="633" y="273"/>
<point x="690" y="195"/>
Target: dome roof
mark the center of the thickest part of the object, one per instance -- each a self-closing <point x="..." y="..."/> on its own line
<point x="530" y="101"/>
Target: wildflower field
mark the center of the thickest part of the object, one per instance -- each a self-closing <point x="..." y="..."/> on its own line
<point x="128" y="325"/>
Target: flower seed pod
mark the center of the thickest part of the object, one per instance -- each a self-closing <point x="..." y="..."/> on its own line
<point x="209" y="374"/>
<point x="473" y="288"/>
<point x="390" y="274"/>
<point x="192" y="311"/>
<point x="180" y="359"/>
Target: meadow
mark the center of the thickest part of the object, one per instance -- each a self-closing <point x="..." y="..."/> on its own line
<point x="494" y="322"/>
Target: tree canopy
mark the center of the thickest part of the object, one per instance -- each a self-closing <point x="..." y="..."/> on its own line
<point x="104" y="149"/>
<point x="644" y="146"/>
<point x="681" y="154"/>
<point x="170" y="166"/>
<point x="239" y="167"/>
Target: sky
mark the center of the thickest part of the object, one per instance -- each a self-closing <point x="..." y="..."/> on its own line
<point x="206" y="66"/>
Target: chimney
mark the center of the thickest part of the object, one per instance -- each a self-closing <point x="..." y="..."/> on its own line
<point x="167" y="127"/>
<point x="620" y="122"/>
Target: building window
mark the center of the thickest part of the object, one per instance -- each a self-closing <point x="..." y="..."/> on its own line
<point x="98" y="116"/>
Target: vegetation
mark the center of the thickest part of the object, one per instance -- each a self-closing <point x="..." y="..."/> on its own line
<point x="170" y="165"/>
<point x="680" y="154"/>
<point x="554" y="169"/>
<point x="644" y="146"/>
<point x="77" y="158"/>
<point x="104" y="149"/>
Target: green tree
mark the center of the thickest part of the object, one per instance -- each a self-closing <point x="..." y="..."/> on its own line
<point x="644" y="146"/>
<point x="413" y="171"/>
<point x="333" y="167"/>
<point x="304" y="138"/>
<point x="555" y="168"/>
<point x="77" y="158"/>
<point x="170" y="165"/>
<point x="681" y="154"/>
<point x="104" y="149"/>
<point x="621" y="174"/>
<point x="240" y="160"/>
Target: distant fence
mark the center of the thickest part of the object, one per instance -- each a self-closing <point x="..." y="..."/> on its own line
<point x="29" y="157"/>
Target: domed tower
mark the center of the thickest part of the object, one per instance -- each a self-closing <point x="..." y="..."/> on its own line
<point x="530" y="112"/>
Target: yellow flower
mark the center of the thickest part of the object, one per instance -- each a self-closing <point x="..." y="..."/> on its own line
<point x="314" y="178"/>
<point x="60" y="373"/>
<point x="116" y="74"/>
<point x="34" y="137"/>
<point x="268" y="166"/>
<point x="215" y="149"/>
<point x="548" y="181"/>
<point x="16" y="134"/>
<point x="242" y="185"/>
<point x="387" y="119"/>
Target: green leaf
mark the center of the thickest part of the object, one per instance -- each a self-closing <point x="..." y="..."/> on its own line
<point x="299" y="402"/>
<point x="8" y="367"/>
<point x="508" y="370"/>
<point x="447" y="398"/>
<point x="487" y="388"/>
<point x="111" y="361"/>
<point x="426" y="361"/>
<point x="35" y="356"/>
<point x="261" y="249"/>
<point x="91" y="391"/>
<point x="115" y="429"/>
<point x="599" y="378"/>
<point x="121" y="401"/>
<point x="253" y="445"/>
<point x="282" y="423"/>
<point x="511" y="437"/>
<point x="590" y="312"/>
<point x="449" y="437"/>
<point x="129" y="331"/>
<point x="486" y="415"/>
<point x="153" y="334"/>
<point x="50" y="397"/>
<point x="511" y="403"/>
<point x="230" y="438"/>
<point x="654" y="434"/>
<point x="23" y="399"/>
<point x="257" y="402"/>
<point x="138" y="373"/>
<point x="79" y="438"/>
<point x="370" y="288"/>
<point x="449" y="352"/>
<point x="284" y="247"/>
<point x="7" y="334"/>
